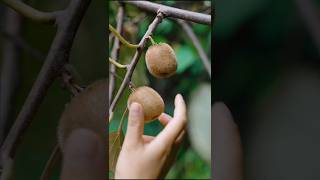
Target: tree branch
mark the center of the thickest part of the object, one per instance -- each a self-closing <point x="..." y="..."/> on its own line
<point x="115" y="51"/>
<point x="205" y="61"/>
<point x="68" y="75"/>
<point x="9" y="70"/>
<point x="172" y="12"/>
<point x="134" y="61"/>
<point x="68" y="23"/>
<point x="27" y="11"/>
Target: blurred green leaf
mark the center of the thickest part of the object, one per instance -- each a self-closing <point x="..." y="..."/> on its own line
<point x="160" y="39"/>
<point x="143" y="27"/>
<point x="185" y="57"/>
<point x="190" y="166"/>
<point x="200" y="29"/>
<point x="197" y="68"/>
<point x="232" y="13"/>
<point x="165" y="27"/>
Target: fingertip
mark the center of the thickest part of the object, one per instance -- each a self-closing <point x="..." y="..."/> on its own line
<point x="180" y="106"/>
<point x="135" y="112"/>
<point x="135" y="124"/>
<point x="179" y="97"/>
<point x="164" y="118"/>
<point x="135" y="107"/>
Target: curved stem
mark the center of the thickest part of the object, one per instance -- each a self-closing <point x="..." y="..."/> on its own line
<point x="117" y="64"/>
<point x="125" y="42"/>
<point x="152" y="41"/>
<point x="34" y="14"/>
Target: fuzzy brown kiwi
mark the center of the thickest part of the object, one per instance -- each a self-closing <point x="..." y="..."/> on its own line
<point x="85" y="110"/>
<point x="161" y="60"/>
<point x="151" y="102"/>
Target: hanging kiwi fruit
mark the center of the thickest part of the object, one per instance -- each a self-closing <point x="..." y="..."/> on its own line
<point x="161" y="60"/>
<point x="151" y="102"/>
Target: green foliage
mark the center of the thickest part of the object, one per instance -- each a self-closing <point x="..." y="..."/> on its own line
<point x="185" y="57"/>
<point x="190" y="166"/>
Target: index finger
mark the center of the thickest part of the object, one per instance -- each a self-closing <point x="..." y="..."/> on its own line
<point x="168" y="135"/>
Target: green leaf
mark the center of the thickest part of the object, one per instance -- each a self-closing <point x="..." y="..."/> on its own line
<point x="160" y="39"/>
<point x="139" y="77"/>
<point x="115" y="143"/>
<point x="201" y="29"/>
<point x="143" y="27"/>
<point x="164" y="27"/>
<point x="185" y="57"/>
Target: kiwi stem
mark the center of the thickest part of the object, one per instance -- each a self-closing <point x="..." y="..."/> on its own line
<point x="121" y="121"/>
<point x="152" y="41"/>
<point x="117" y="64"/>
<point x="125" y="42"/>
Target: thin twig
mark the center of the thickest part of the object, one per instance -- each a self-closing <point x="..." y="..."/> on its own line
<point x="118" y="65"/>
<point x="9" y="70"/>
<point x="172" y="12"/>
<point x="34" y="14"/>
<point x="311" y="17"/>
<point x="54" y="158"/>
<point x="134" y="61"/>
<point x="68" y="23"/>
<point x="204" y="59"/>
<point x="115" y="51"/>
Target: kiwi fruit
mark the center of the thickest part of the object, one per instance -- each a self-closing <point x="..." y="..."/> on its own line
<point x="86" y="110"/>
<point x="161" y="60"/>
<point x="150" y="100"/>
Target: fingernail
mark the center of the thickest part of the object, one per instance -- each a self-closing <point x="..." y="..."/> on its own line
<point x="135" y="107"/>
<point x="179" y="96"/>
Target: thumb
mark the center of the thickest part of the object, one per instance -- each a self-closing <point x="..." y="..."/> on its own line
<point x="135" y="125"/>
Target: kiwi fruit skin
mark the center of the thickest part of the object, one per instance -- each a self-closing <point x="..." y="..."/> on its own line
<point x="86" y="110"/>
<point x="161" y="60"/>
<point x="151" y="102"/>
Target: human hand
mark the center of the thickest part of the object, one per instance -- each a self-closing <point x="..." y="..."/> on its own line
<point x="227" y="157"/>
<point x="147" y="157"/>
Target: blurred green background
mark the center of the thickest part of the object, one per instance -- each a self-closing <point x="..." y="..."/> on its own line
<point x="266" y="70"/>
<point x="87" y="56"/>
<point x="191" y="80"/>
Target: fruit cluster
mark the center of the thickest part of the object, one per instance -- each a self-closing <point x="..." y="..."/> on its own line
<point x="88" y="108"/>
